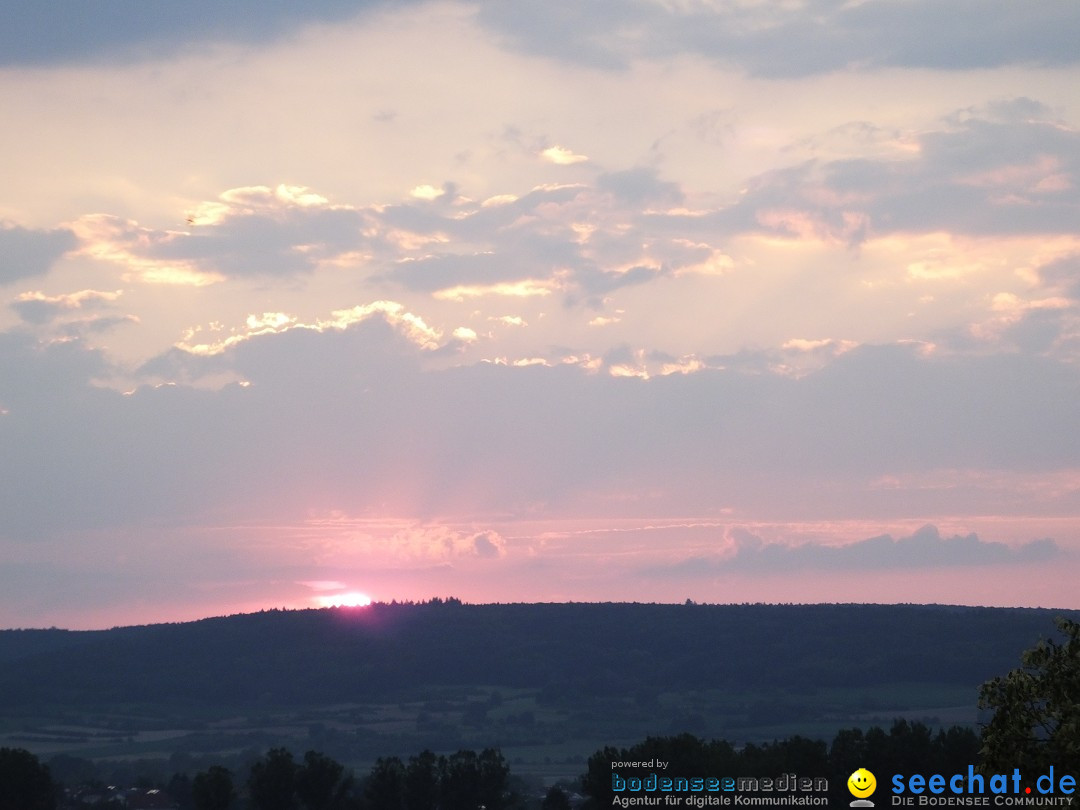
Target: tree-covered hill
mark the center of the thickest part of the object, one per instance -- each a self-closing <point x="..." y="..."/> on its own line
<point x="385" y="650"/>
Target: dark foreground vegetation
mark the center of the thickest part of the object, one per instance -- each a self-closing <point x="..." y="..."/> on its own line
<point x="1033" y="717"/>
<point x="467" y="780"/>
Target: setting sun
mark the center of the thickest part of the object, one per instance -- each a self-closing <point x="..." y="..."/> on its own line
<point x="350" y="599"/>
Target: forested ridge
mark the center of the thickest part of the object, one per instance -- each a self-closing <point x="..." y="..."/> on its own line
<point x="1031" y="727"/>
<point x="577" y="649"/>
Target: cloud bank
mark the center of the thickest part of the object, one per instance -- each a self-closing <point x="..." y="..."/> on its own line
<point x="925" y="549"/>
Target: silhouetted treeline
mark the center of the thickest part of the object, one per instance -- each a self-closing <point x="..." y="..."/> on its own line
<point x="464" y="780"/>
<point x="569" y="651"/>
<point x="905" y="748"/>
<point x="467" y="779"/>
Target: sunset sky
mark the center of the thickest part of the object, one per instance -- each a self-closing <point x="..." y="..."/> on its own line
<point x="639" y="300"/>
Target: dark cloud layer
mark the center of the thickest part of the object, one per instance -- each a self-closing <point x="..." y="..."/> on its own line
<point x="36" y="308"/>
<point x="55" y="31"/>
<point x="925" y="549"/>
<point x="282" y="242"/>
<point x="762" y="39"/>
<point x="641" y="186"/>
<point x="1063" y="276"/>
<point x="25" y="253"/>
<point x="350" y="419"/>
<point x="979" y="175"/>
<point x="815" y="37"/>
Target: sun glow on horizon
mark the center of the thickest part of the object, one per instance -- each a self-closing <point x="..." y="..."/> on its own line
<point x="350" y="599"/>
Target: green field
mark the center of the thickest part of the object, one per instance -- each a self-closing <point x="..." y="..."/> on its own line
<point x="540" y="738"/>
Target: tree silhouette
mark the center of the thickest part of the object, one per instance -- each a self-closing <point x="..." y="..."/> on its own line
<point x="555" y="799"/>
<point x="470" y="780"/>
<point x="422" y="782"/>
<point x="25" y="783"/>
<point x="272" y="782"/>
<point x="321" y="783"/>
<point x="462" y="781"/>
<point x="384" y="788"/>
<point x="213" y="789"/>
<point x="1036" y="721"/>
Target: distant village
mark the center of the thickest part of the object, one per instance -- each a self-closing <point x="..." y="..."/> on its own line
<point x="132" y="798"/>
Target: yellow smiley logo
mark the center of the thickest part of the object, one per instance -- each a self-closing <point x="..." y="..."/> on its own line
<point x="861" y="783"/>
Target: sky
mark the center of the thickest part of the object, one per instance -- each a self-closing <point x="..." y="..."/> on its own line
<point x="647" y="300"/>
